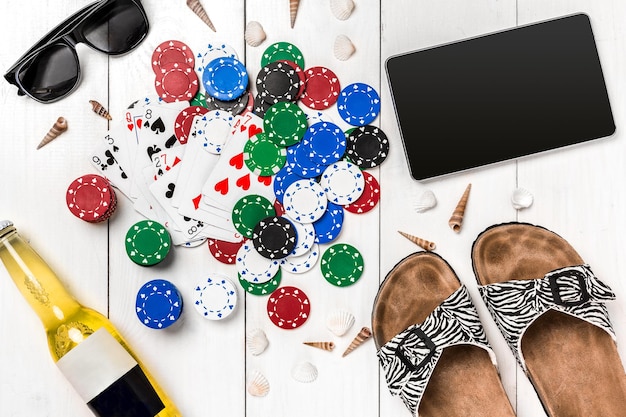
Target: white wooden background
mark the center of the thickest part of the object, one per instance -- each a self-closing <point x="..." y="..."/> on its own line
<point x="580" y="193"/>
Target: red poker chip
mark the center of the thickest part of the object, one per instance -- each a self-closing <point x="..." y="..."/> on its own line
<point x="300" y="74"/>
<point x="278" y="206"/>
<point x="182" y="124"/>
<point x="288" y="307"/>
<point x="171" y="52"/>
<point x="369" y="198"/>
<point x="176" y="82"/>
<point x="225" y="252"/>
<point x="91" y="198"/>
<point x="322" y="88"/>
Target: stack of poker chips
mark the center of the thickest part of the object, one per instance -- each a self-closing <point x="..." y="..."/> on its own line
<point x="91" y="198"/>
<point x="173" y="65"/>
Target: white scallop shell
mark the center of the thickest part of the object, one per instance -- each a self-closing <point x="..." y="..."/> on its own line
<point x="339" y="322"/>
<point x="426" y="201"/>
<point x="258" y="385"/>
<point x="342" y="9"/>
<point x="304" y="372"/>
<point x="343" y="48"/>
<point x="254" y="34"/>
<point x="521" y="198"/>
<point x="256" y="341"/>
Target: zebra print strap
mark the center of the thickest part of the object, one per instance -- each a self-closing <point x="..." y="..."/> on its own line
<point x="573" y="290"/>
<point x="409" y="359"/>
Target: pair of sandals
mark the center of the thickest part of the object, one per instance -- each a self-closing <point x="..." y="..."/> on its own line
<point x="545" y="300"/>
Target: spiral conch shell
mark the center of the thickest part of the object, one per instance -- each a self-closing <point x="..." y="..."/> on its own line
<point x="254" y="35"/>
<point x="422" y="243"/>
<point x="342" y="9"/>
<point x="258" y="385"/>
<point x="59" y="127"/>
<point x="99" y="109"/>
<point x="343" y="48"/>
<point x="456" y="220"/>
<point x="293" y="11"/>
<point x="199" y="10"/>
<point x="339" y="322"/>
<point x="256" y="341"/>
<point x="329" y="346"/>
<point x="304" y="372"/>
<point x="521" y="198"/>
<point x="425" y="202"/>
<point x="364" y="334"/>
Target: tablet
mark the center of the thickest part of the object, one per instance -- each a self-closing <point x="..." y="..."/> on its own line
<point x="500" y="96"/>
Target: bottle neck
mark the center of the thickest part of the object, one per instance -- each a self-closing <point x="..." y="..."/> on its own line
<point x="38" y="284"/>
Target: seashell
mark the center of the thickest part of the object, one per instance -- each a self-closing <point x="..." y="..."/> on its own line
<point x="422" y="243"/>
<point x="339" y="322"/>
<point x="304" y="372"/>
<point x="59" y="127"/>
<point x="342" y="9"/>
<point x="425" y="202"/>
<point x="364" y="334"/>
<point x="199" y="10"/>
<point x="99" y="109"/>
<point x="258" y="385"/>
<point x="456" y="220"/>
<point x="329" y="346"/>
<point x="256" y="341"/>
<point x="293" y="10"/>
<point x="521" y="198"/>
<point x="343" y="48"/>
<point x="254" y="35"/>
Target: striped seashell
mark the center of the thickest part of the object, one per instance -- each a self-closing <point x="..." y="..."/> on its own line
<point x="339" y="322"/>
<point x="99" y="109"/>
<point x="422" y="243"/>
<point x="364" y="334"/>
<point x="329" y="346"/>
<point x="456" y="220"/>
<point x="258" y="385"/>
<point x="342" y="9"/>
<point x="304" y="372"/>
<point x="293" y="11"/>
<point x="521" y="198"/>
<point x="256" y="341"/>
<point x="59" y="127"/>
<point x="343" y="48"/>
<point x="199" y="10"/>
<point x="254" y="35"/>
<point x="425" y="202"/>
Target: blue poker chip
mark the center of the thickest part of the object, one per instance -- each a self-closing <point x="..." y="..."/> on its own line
<point x="326" y="143"/>
<point x="358" y="104"/>
<point x="283" y="179"/>
<point x="158" y="304"/>
<point x="328" y="227"/>
<point x="225" y="78"/>
<point x="300" y="163"/>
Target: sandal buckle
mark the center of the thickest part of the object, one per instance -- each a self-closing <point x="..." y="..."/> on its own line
<point x="418" y="334"/>
<point x="560" y="292"/>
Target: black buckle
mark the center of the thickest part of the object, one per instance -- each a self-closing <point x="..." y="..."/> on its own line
<point x="419" y="334"/>
<point x="555" y="287"/>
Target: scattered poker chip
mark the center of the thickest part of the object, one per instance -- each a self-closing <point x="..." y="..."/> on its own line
<point x="285" y="123"/>
<point x="260" y="106"/>
<point x="322" y="88"/>
<point x="199" y="99"/>
<point x="147" y="242"/>
<point x="214" y="50"/>
<point x="91" y="198"/>
<point x="253" y="267"/>
<point x="283" y="179"/>
<point x="282" y="51"/>
<point x="278" y="81"/>
<point x="212" y="129"/>
<point x="329" y="226"/>
<point x="225" y="78"/>
<point x="301" y="263"/>
<point x="274" y="237"/>
<point x="369" y="198"/>
<point x="343" y="182"/>
<point x="278" y="207"/>
<point x="235" y="107"/>
<point x="367" y="146"/>
<point x="305" y="233"/>
<point x="215" y="298"/>
<point x="326" y="143"/>
<point x="171" y="52"/>
<point x="288" y="307"/>
<point x="300" y="74"/>
<point x="223" y="251"/>
<point x="358" y="104"/>
<point x="305" y="201"/>
<point x="176" y="82"/>
<point x="158" y="304"/>
<point x="248" y="211"/>
<point x="262" y="156"/>
<point x="300" y="163"/>
<point x="342" y="265"/>
<point x="265" y="288"/>
<point x="184" y="120"/>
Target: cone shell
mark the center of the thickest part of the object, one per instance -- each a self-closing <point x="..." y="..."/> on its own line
<point x="425" y="202"/>
<point x="255" y="35"/>
<point x="342" y="9"/>
<point x="256" y="341"/>
<point x="329" y="346"/>
<point x="59" y="127"/>
<point x="258" y="385"/>
<point x="343" y="48"/>
<point x="339" y="322"/>
<point x="304" y="372"/>
<point x="199" y="10"/>
<point x="456" y="220"/>
<point x="293" y="10"/>
<point x="364" y="334"/>
<point x="422" y="243"/>
<point x="99" y="109"/>
<point x="521" y="198"/>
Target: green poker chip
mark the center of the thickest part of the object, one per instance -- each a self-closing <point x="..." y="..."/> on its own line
<point x="285" y="123"/>
<point x="265" y="288"/>
<point x="342" y="265"/>
<point x="282" y="51"/>
<point x="262" y="156"/>
<point x="249" y="211"/>
<point x="147" y="242"/>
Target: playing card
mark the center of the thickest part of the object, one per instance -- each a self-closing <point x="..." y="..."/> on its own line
<point x="104" y="161"/>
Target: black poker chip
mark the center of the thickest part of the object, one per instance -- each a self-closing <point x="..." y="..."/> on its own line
<point x="260" y="106"/>
<point x="278" y="81"/>
<point x="274" y="237"/>
<point x="234" y="107"/>
<point x="367" y="146"/>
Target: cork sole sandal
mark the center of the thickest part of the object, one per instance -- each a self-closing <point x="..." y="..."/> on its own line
<point x="550" y="308"/>
<point x="431" y="344"/>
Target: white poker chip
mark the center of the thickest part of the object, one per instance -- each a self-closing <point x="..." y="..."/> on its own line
<point x="212" y="51"/>
<point x="343" y="182"/>
<point x="305" y="201"/>
<point x="254" y="267"/>
<point x="305" y="238"/>
<point x="212" y="130"/>
<point x="302" y="263"/>
<point x="215" y="298"/>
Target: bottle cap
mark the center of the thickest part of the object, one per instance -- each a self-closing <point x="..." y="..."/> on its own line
<point x="159" y="304"/>
<point x="91" y="198"/>
<point x="147" y="242"/>
<point x="4" y="224"/>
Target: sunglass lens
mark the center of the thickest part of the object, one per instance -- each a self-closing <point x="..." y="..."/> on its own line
<point x="117" y="27"/>
<point x="51" y="74"/>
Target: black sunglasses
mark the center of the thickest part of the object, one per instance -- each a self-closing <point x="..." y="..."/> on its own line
<point x="50" y="70"/>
